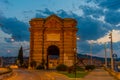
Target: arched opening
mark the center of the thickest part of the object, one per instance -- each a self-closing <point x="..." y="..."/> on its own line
<point x="52" y="56"/>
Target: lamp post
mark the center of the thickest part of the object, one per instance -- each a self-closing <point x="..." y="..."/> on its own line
<point x="105" y="55"/>
<point x="114" y="61"/>
<point x="75" y="55"/>
<point x="111" y="52"/>
<point x="75" y="58"/>
<point x="91" y="62"/>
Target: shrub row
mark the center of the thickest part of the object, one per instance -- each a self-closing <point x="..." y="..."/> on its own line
<point x="89" y="67"/>
<point x="63" y="67"/>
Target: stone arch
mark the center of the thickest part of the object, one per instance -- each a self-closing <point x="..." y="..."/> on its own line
<point x="53" y="50"/>
<point x="53" y="54"/>
<point x="59" y="33"/>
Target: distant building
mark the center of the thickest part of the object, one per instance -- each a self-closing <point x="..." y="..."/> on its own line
<point x="1" y="62"/>
<point x="7" y="61"/>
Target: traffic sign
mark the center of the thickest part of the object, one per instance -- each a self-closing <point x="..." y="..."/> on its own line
<point x="114" y="56"/>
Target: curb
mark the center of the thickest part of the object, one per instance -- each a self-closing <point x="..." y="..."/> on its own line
<point x="116" y="75"/>
<point x="3" y="76"/>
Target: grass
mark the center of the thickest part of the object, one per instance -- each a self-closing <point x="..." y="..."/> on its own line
<point x="79" y="74"/>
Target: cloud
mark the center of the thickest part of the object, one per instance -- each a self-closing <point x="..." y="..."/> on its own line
<point x="95" y="20"/>
<point x="18" y="30"/>
<point x="87" y="25"/>
<point x="3" y="35"/>
<point x="92" y="26"/>
<point x="112" y="17"/>
<point x="118" y="25"/>
<point x="110" y="4"/>
<point x="43" y="13"/>
<point x="106" y="38"/>
<point x="11" y="28"/>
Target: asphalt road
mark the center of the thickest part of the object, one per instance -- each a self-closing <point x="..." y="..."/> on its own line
<point x="22" y="74"/>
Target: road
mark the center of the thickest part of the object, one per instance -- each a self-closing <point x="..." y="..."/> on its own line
<point x="99" y="74"/>
<point x="21" y="74"/>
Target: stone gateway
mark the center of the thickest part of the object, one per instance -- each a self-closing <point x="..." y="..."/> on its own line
<point x="52" y="41"/>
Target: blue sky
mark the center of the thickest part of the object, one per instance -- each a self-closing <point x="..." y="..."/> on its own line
<point x="95" y="21"/>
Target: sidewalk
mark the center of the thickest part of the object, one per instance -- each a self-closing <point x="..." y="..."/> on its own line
<point x="99" y="74"/>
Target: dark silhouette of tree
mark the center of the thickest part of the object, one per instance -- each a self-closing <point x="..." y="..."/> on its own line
<point x="20" y="56"/>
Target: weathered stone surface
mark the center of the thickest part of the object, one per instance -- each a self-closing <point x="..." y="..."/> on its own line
<point x="49" y="31"/>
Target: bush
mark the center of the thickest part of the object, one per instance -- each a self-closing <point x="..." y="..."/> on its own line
<point x="72" y="69"/>
<point x="40" y="67"/>
<point x="33" y="64"/>
<point x="89" y="67"/>
<point x="78" y="68"/>
<point x="61" y="67"/>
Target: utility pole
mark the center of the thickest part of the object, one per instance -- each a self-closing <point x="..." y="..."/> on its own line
<point x="75" y="64"/>
<point x="105" y="55"/>
<point x="91" y="62"/>
<point x="111" y="52"/>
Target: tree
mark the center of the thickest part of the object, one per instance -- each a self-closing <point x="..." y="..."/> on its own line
<point x="20" y="56"/>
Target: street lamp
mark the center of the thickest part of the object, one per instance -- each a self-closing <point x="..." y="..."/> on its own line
<point x="75" y="55"/>
<point x="114" y="61"/>
<point x="75" y="58"/>
<point x="105" y="55"/>
<point x="111" y="52"/>
<point x="12" y="40"/>
<point x="91" y="62"/>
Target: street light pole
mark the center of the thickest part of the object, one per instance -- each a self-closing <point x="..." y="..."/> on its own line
<point x="75" y="55"/>
<point x="111" y="52"/>
<point x="105" y="55"/>
<point x="91" y="54"/>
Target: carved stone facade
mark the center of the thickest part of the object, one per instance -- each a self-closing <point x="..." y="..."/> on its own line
<point x="53" y="36"/>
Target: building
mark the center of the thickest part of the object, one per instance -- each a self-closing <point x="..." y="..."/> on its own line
<point x="53" y="36"/>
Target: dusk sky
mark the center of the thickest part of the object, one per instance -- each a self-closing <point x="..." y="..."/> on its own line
<point x="96" y="19"/>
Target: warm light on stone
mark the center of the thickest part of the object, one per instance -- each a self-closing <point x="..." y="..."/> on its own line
<point x="53" y="32"/>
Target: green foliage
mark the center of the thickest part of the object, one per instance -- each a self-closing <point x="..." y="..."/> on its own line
<point x="73" y="68"/>
<point x="25" y="65"/>
<point x="61" y="67"/>
<point x="78" y="68"/>
<point x="80" y="74"/>
<point x="39" y="67"/>
<point x="33" y="64"/>
<point x="20" y="57"/>
<point x="89" y="67"/>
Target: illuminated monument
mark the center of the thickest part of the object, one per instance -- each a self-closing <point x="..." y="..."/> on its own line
<point x="53" y="40"/>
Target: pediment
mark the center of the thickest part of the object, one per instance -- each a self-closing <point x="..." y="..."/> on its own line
<point x="53" y="21"/>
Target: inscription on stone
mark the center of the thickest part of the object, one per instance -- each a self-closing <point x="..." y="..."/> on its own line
<point x="53" y="37"/>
